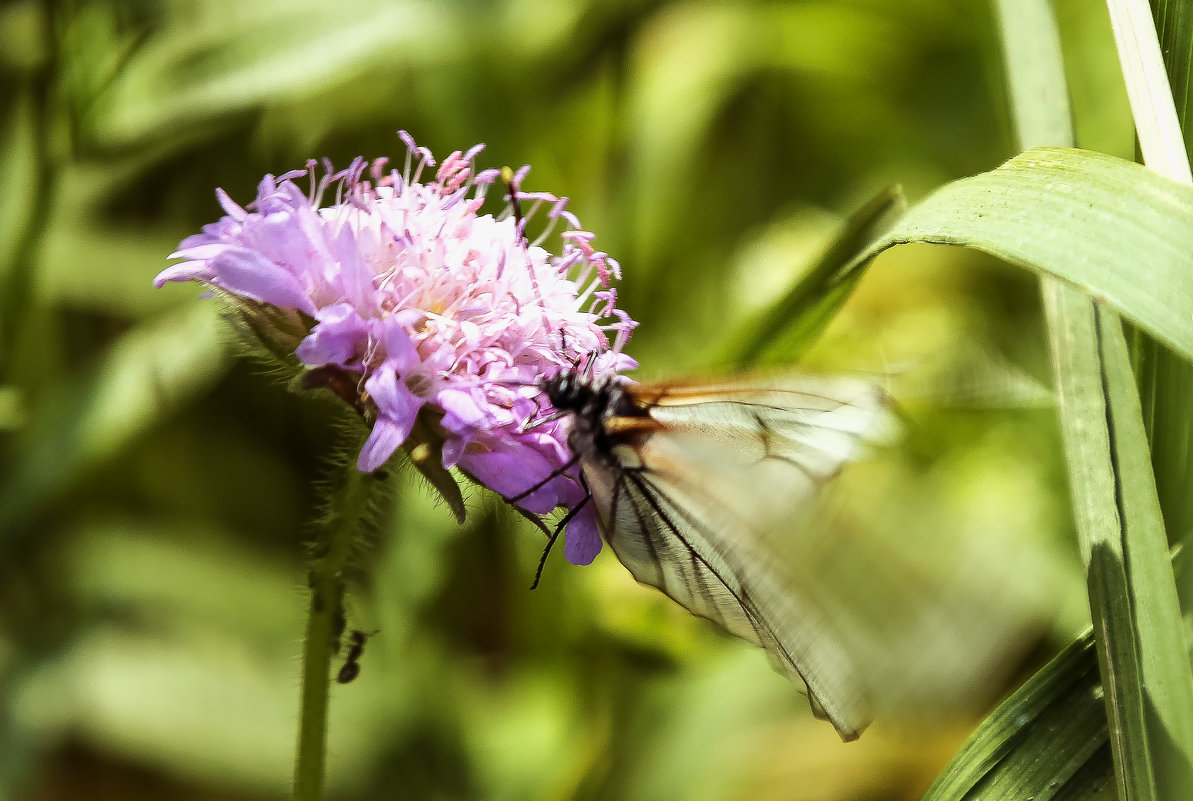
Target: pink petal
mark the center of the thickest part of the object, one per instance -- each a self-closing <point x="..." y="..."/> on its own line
<point x="186" y="271"/>
<point x="582" y="542"/>
<point x="337" y="339"/>
<point x="512" y="473"/>
<point x="462" y="411"/>
<point x="245" y="272"/>
<point x="355" y="276"/>
<point x="400" y="352"/>
<point x="387" y="436"/>
<point x="453" y="450"/>
<point x="393" y="398"/>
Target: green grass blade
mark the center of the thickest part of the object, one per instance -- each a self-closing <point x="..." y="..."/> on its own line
<point x="1048" y="740"/>
<point x="1155" y="116"/>
<point x="1085" y="387"/>
<point x="1037" y="91"/>
<point x="1166" y="674"/>
<point x="1056" y="714"/>
<point x="1037" y="740"/>
<point x="1166" y="669"/>
<point x="1165" y="380"/>
<point x="1132" y="599"/>
<point x="1123" y="234"/>
<point x="1174" y="22"/>
<point x="781" y="333"/>
<point x="1061" y="213"/>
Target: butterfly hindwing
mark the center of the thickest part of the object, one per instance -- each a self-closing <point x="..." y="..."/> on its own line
<point x="689" y="500"/>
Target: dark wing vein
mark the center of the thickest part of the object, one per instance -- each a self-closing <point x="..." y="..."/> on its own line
<point x="645" y="531"/>
<point x="650" y="492"/>
<point x="649" y="526"/>
<point x="766" y="434"/>
<point x="642" y="483"/>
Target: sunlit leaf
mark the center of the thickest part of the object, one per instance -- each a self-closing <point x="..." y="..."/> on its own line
<point x="1115" y="229"/>
<point x="1125" y="235"/>
<point x="1165" y="380"/>
<point x="1166" y="672"/>
<point x="237" y="55"/>
<point x="1142" y="656"/>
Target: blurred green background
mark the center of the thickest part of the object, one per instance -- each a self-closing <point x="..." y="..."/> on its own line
<point x="157" y="490"/>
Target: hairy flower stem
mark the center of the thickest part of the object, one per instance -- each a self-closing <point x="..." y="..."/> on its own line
<point x="348" y="501"/>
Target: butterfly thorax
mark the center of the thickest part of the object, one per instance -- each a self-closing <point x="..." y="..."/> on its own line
<point x="590" y="403"/>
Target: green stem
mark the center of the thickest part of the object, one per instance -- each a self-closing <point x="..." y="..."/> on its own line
<point x="348" y="502"/>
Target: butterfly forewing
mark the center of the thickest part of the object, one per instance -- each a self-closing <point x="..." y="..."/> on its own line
<point x="749" y="457"/>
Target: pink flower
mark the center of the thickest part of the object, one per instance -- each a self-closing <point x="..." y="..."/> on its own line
<point x="429" y="306"/>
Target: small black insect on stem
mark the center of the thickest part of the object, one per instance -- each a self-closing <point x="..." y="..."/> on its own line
<point x="356" y="646"/>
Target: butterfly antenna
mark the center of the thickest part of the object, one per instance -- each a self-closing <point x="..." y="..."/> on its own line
<point x="538" y="574"/>
<point x="507" y="175"/>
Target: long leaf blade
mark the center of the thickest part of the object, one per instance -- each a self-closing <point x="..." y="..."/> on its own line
<point x="1113" y="228"/>
<point x="1077" y="329"/>
<point x="1048" y="740"/>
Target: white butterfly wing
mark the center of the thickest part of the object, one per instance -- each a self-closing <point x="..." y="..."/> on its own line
<point x="695" y="490"/>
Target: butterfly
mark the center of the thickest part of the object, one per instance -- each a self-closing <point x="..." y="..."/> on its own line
<point x="689" y="483"/>
<point x="703" y="491"/>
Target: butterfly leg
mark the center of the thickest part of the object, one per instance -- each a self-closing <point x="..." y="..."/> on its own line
<point x="554" y="536"/>
<point x="554" y="474"/>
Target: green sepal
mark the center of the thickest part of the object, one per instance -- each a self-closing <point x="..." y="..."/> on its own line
<point x="424" y="449"/>
<point x="265" y="331"/>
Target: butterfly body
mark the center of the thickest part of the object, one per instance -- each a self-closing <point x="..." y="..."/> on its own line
<point x="591" y="405"/>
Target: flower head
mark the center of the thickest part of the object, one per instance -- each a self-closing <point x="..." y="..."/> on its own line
<point x="421" y="305"/>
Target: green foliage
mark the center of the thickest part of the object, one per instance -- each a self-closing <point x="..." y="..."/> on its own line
<point x="1141" y="647"/>
<point x="156" y="495"/>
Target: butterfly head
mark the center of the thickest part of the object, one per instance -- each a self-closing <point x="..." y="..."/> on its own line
<point x="571" y="391"/>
